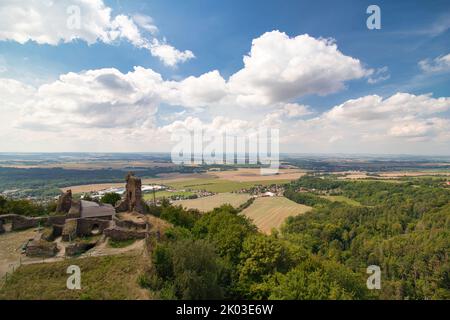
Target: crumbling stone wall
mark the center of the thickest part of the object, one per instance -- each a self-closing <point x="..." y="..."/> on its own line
<point x="75" y="210"/>
<point x="80" y="227"/>
<point x="53" y="233"/>
<point x="129" y="224"/>
<point x="41" y="248"/>
<point x="59" y="220"/>
<point x="22" y="223"/>
<point x="69" y="231"/>
<point x="2" y="230"/>
<point x="85" y="227"/>
<point x="64" y="202"/>
<point x="120" y="234"/>
<point x="133" y="196"/>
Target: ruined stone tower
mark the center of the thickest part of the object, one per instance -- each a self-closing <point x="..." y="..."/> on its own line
<point x="132" y="201"/>
<point x="64" y="202"/>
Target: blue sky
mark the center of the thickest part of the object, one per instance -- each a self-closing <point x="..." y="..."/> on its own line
<point x="220" y="33"/>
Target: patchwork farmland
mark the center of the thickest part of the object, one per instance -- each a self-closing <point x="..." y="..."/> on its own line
<point x="223" y="181"/>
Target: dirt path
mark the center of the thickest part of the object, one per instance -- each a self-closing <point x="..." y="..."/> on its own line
<point x="103" y="249"/>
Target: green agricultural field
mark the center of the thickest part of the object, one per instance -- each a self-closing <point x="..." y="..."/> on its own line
<point x="102" y="278"/>
<point x="219" y="185"/>
<point x="166" y="194"/>
<point x="206" y="204"/>
<point x="271" y="212"/>
<point x="343" y="200"/>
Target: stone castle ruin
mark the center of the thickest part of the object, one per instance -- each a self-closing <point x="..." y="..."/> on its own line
<point x="78" y="219"/>
<point x="133" y="196"/>
<point x="64" y="202"/>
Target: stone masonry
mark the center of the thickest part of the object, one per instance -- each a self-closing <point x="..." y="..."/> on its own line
<point x="64" y="202"/>
<point x="133" y="196"/>
<point x="41" y="248"/>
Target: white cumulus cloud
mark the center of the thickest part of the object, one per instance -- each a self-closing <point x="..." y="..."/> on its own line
<point x="400" y="123"/>
<point x="103" y="98"/>
<point x="279" y="68"/>
<point x="169" y="54"/>
<point x="63" y="21"/>
<point x="439" y="64"/>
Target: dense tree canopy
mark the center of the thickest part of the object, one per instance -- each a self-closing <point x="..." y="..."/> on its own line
<point x="110" y="198"/>
<point x="242" y="263"/>
<point x="404" y="228"/>
<point x="26" y="207"/>
<point x="188" y="269"/>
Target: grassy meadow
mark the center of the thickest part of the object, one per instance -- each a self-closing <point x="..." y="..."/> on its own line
<point x="102" y="278"/>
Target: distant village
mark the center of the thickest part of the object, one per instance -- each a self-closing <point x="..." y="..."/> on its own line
<point x="274" y="190"/>
<point x="255" y="191"/>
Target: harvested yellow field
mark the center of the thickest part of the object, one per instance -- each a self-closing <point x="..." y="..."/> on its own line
<point x="271" y="212"/>
<point x="206" y="204"/>
<point x="174" y="178"/>
<point x="92" y="187"/>
<point x="413" y="174"/>
<point x="357" y="175"/>
<point x="353" y="175"/>
<point x="254" y="174"/>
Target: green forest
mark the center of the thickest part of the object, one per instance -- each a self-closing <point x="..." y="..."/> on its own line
<point x="402" y="227"/>
<point x="221" y="255"/>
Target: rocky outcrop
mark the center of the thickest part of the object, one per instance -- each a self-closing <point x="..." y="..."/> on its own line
<point x="41" y="248"/>
<point x="133" y="196"/>
<point x="64" y="202"/>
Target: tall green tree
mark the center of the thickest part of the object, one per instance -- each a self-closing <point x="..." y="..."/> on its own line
<point x="110" y="198"/>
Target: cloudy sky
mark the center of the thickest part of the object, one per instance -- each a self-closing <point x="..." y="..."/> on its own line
<point x="103" y="76"/>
